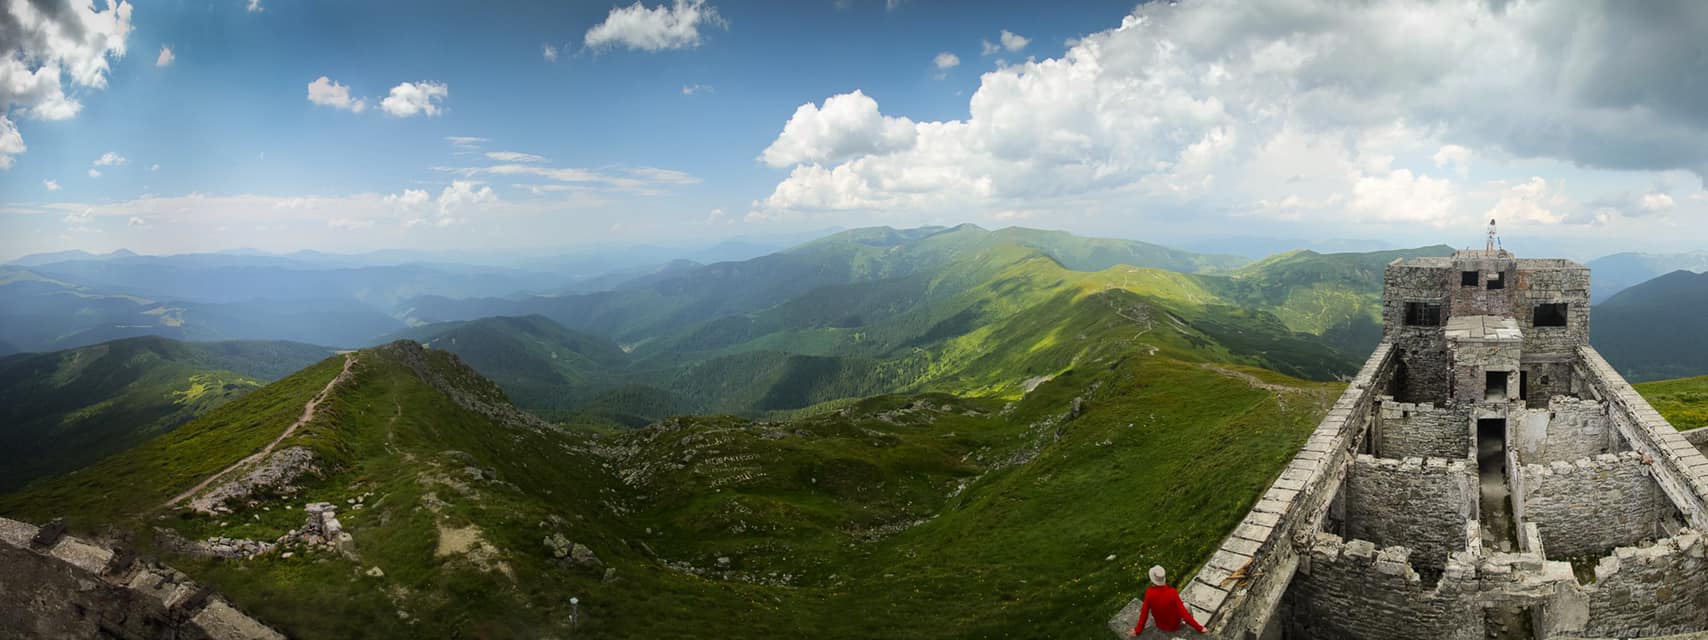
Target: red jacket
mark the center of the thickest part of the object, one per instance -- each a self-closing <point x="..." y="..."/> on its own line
<point x="1164" y="602"/>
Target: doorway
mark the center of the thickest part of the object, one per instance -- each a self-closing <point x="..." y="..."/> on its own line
<point x="1495" y="498"/>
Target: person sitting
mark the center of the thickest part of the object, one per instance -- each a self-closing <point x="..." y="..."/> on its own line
<point x="1163" y="603"/>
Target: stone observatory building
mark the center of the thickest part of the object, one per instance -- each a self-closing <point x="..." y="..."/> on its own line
<point x="1485" y="475"/>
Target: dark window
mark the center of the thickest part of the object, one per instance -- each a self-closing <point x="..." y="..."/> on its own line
<point x="1423" y="314"/>
<point x="1495" y="389"/>
<point x="1468" y="278"/>
<point x="1496" y="282"/>
<point x="1551" y="314"/>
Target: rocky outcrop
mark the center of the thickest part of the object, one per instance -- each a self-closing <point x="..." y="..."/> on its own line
<point x="58" y="586"/>
<point x="277" y="473"/>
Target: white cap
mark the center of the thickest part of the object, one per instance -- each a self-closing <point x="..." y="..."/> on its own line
<point x="1158" y="576"/>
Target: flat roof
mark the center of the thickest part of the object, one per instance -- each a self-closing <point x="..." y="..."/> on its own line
<point x="1484" y="328"/>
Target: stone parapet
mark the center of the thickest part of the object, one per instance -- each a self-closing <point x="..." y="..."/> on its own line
<point x="74" y="588"/>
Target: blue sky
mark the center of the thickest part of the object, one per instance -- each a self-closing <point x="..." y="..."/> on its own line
<point x="685" y="122"/>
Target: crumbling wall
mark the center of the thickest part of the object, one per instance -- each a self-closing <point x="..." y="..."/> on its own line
<point x="1568" y="429"/>
<point x="1544" y="380"/>
<point x="1593" y="504"/>
<point x="1479" y="299"/>
<point x="1653" y="590"/>
<point x="1350" y="590"/>
<point x="1406" y="429"/>
<point x="1472" y="358"/>
<point x="1423" y="503"/>
<point x="1677" y="466"/>
<point x="58" y="586"/>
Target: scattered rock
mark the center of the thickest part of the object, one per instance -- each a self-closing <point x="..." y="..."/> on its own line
<point x="376" y="572"/>
<point x="559" y="545"/>
<point x="581" y="555"/>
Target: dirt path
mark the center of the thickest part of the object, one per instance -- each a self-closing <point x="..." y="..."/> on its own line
<point x="307" y="414"/>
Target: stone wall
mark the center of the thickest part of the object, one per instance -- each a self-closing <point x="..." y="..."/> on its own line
<point x="1421" y="351"/>
<point x="1422" y="503"/>
<point x="1593" y="504"/>
<point x="1261" y="549"/>
<point x="57" y="586"/>
<point x="1678" y="467"/>
<point x="1478" y="299"/>
<point x="1471" y="359"/>
<point x="1569" y="429"/>
<point x="1557" y="281"/>
<point x="1546" y="380"/>
<point x="1661" y="588"/>
<point x="1406" y="429"/>
<point x="1352" y="590"/>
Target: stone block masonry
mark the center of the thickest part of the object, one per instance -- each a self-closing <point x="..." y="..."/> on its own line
<point x="1661" y="588"/>
<point x="1423" y="503"/>
<point x="1591" y="505"/>
<point x="72" y="588"/>
<point x="1352" y="590"/>
<point x="1405" y="429"/>
<point x="1568" y="429"/>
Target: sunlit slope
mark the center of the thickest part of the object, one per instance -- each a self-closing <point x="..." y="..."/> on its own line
<point x="66" y="409"/>
<point x="1683" y="402"/>
<point x="993" y="321"/>
<point x="938" y="517"/>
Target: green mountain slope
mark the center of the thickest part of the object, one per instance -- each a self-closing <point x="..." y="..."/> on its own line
<point x="983" y="324"/>
<point x="66" y="409"/>
<point x="1647" y="331"/>
<point x="932" y="516"/>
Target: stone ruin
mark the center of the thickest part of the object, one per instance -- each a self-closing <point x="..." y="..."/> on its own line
<point x="1486" y="475"/>
<point x="59" y="586"/>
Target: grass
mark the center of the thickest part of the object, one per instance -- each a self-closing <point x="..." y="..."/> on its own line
<point x="1683" y="402"/>
<point x="915" y="516"/>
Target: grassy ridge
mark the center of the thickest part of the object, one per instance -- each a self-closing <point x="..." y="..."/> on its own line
<point x="897" y="516"/>
<point x="66" y="409"/>
<point x="1683" y="402"/>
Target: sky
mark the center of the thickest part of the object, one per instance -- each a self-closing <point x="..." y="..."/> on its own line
<point x="171" y="127"/>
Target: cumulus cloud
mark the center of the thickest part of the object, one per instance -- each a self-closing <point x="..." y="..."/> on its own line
<point x="1008" y="40"/>
<point x="514" y="156"/>
<point x="110" y="159"/>
<point x="460" y="196"/>
<point x="411" y="98"/>
<point x="255" y="6"/>
<point x="136" y="221"/>
<point x="41" y="45"/>
<point x="326" y="93"/>
<point x="641" y="28"/>
<point x="50" y="185"/>
<point x="1308" y="109"/>
<point x="946" y="60"/>
<point x="847" y="126"/>
<point x="94" y="173"/>
<point x="695" y="89"/>
<point x="165" y="58"/>
<point x="548" y="52"/>
<point x="409" y="200"/>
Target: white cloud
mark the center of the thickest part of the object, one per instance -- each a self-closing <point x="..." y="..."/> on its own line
<point x="40" y="42"/>
<point x="514" y="156"/>
<point x="110" y="159"/>
<point x="255" y="6"/>
<point x="136" y="221"/>
<point x="640" y="180"/>
<point x="94" y="173"/>
<point x="324" y="92"/>
<point x="1306" y="110"/>
<point x="11" y="143"/>
<point x="466" y="143"/>
<point x="459" y="196"/>
<point x="946" y="60"/>
<point x="1530" y="201"/>
<point x="548" y="52"/>
<point x="717" y="216"/>
<point x="1655" y="202"/>
<point x="349" y="223"/>
<point x="1014" y="42"/>
<point x="165" y="58"/>
<point x="50" y="185"/>
<point x="654" y="29"/>
<point x="411" y="98"/>
<point x="847" y="126"/>
<point x="693" y="89"/>
<point x="154" y="167"/>
<point x="409" y="200"/>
